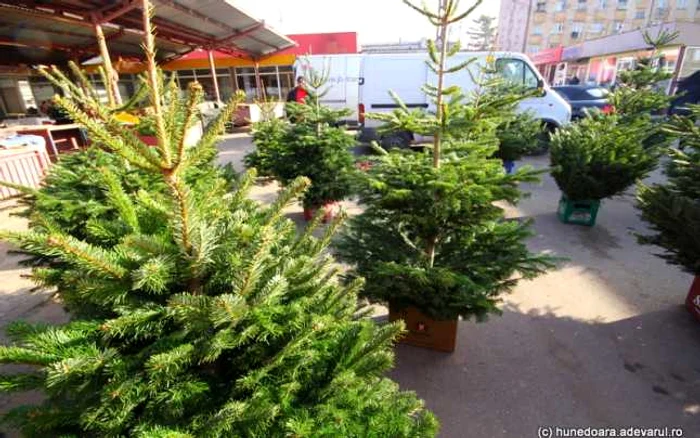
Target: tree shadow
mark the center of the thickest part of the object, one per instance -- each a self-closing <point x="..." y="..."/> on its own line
<point x="524" y="370"/>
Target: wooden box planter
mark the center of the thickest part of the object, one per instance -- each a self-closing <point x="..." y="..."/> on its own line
<point x="693" y="300"/>
<point x="425" y="332"/>
<point x="578" y="212"/>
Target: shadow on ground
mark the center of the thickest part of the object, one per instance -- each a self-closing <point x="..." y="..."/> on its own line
<point x="523" y="370"/>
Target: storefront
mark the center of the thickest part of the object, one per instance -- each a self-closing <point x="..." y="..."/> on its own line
<point x="573" y="68"/>
<point x="275" y="72"/>
<point x="547" y="61"/>
<point x="600" y="61"/>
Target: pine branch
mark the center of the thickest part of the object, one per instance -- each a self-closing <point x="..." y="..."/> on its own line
<point x="84" y="82"/>
<point x="195" y="93"/>
<point x="20" y="382"/>
<point x="466" y="13"/>
<point x="285" y="198"/>
<point x="19" y="355"/>
<point x="20" y="188"/>
<point x="422" y="10"/>
<point x="205" y="144"/>
<point x="169" y="365"/>
<point x="120" y="200"/>
<point x="94" y="259"/>
<point x="245" y="282"/>
<point x="154" y="85"/>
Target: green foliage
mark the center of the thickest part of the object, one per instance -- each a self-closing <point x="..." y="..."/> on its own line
<point x="432" y="234"/>
<point x="600" y="156"/>
<point x="640" y="93"/>
<point x="313" y="147"/>
<point x="269" y="147"/>
<point x="518" y="136"/>
<point x="324" y="158"/>
<point x="673" y="209"/>
<point x="198" y="312"/>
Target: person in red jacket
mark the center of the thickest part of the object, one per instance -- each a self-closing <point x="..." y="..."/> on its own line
<point x="298" y="93"/>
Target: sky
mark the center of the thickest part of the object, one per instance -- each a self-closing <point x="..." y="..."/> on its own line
<point x="375" y="21"/>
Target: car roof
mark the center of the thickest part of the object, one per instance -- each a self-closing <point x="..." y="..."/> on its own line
<point x="577" y="87"/>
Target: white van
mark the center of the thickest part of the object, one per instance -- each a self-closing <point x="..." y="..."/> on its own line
<point x="405" y="74"/>
<point x="343" y="80"/>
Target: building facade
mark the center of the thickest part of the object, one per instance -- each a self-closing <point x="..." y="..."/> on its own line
<point x="555" y="23"/>
<point x="513" y="23"/>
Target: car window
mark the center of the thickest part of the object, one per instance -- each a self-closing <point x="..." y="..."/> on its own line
<point x="574" y="93"/>
<point x="567" y="93"/>
<point x="517" y="72"/>
<point x="597" y="93"/>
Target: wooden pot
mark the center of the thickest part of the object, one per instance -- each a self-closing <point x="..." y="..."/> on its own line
<point x="692" y="302"/>
<point x="425" y="332"/>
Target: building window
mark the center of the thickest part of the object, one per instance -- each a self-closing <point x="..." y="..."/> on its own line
<point x="621" y="4"/>
<point x="576" y="30"/>
<point x="618" y="26"/>
<point x="602" y="4"/>
<point x="682" y="4"/>
<point x="533" y="49"/>
<point x="640" y="14"/>
<point x="558" y="28"/>
<point x="537" y="30"/>
<point x="596" y="27"/>
<point x="560" y="6"/>
<point x="541" y="7"/>
<point x="661" y="4"/>
<point x="582" y="4"/>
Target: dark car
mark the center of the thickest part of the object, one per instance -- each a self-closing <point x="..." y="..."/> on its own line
<point x="688" y="92"/>
<point x="583" y="97"/>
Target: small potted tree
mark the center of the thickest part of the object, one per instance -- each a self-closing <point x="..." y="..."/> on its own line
<point x="268" y="137"/>
<point x="597" y="158"/>
<point x="322" y="155"/>
<point x="431" y="241"/>
<point x="673" y="209"/>
<point x="312" y="146"/>
<point x="518" y="136"/>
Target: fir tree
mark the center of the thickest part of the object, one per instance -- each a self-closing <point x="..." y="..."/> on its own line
<point x="313" y="146"/>
<point x="482" y="35"/>
<point x="672" y="209"/>
<point x="431" y="235"/>
<point x="196" y="312"/>
<point x="639" y="94"/>
<point x="602" y="155"/>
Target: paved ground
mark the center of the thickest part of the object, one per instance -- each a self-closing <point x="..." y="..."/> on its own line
<point x="602" y="341"/>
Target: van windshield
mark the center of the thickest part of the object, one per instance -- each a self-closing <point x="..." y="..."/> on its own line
<point x="516" y="72"/>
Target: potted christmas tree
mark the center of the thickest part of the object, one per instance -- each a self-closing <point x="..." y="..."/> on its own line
<point x="195" y="311"/>
<point x="597" y="158"/>
<point x="672" y="209"/>
<point x="601" y="156"/>
<point x="518" y="136"/>
<point x="431" y="242"/>
<point x="312" y="146"/>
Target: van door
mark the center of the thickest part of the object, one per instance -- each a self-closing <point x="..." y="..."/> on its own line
<point x="517" y="72"/>
<point x="341" y="89"/>
<point x="383" y="73"/>
<point x="549" y="107"/>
